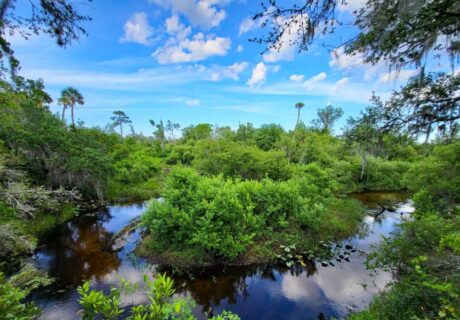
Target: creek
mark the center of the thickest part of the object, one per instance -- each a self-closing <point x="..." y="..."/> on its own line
<point x="82" y="249"/>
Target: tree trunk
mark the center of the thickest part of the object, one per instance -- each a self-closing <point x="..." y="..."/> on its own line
<point x="428" y="133"/>
<point x="73" y="119"/>
<point x="298" y="118"/>
<point x="363" y="165"/>
<point x="121" y="130"/>
<point x="63" y="113"/>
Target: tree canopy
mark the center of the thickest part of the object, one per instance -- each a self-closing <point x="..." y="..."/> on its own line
<point x="59" y="19"/>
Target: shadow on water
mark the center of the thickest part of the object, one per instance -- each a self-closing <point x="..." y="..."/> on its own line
<point x="80" y="249"/>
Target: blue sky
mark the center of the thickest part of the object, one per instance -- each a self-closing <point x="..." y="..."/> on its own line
<point x="190" y="61"/>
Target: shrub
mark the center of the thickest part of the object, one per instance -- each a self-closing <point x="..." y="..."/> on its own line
<point x="239" y="161"/>
<point x="222" y="217"/>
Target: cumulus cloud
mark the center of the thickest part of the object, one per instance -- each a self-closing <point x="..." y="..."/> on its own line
<point x="176" y="28"/>
<point x="310" y="83"/>
<point x="259" y="74"/>
<point x="343" y="61"/>
<point x="247" y="25"/>
<point x="193" y="102"/>
<point x="137" y="29"/>
<point x="239" y="48"/>
<point x="232" y="71"/>
<point x="202" y="13"/>
<point x="342" y="82"/>
<point x="297" y="77"/>
<point x="198" y="48"/>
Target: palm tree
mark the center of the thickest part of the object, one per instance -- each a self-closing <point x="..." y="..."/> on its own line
<point x="73" y="97"/>
<point x="64" y="102"/>
<point x="299" y="106"/>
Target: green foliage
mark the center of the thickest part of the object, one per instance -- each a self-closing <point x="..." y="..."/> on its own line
<point x="384" y="175"/>
<point x="138" y="166"/>
<point x="226" y="315"/>
<point x="52" y="153"/>
<point x="12" y="304"/>
<point x="268" y="135"/>
<point x="98" y="305"/>
<point x="436" y="179"/>
<point x="222" y="218"/>
<point x="426" y="252"/>
<point x="199" y="132"/>
<point x="239" y="161"/>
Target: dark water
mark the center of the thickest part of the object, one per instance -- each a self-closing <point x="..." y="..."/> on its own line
<point x="81" y="249"/>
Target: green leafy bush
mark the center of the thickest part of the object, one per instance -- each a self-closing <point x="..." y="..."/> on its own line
<point x="239" y="161"/>
<point x="222" y="217"/>
<point x="98" y="305"/>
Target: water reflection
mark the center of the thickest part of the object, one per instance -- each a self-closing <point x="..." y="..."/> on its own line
<point x="80" y="250"/>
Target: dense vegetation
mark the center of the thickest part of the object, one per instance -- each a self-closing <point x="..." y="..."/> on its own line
<point x="235" y="196"/>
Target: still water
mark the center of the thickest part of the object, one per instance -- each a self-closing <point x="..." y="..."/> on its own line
<point x="81" y="249"/>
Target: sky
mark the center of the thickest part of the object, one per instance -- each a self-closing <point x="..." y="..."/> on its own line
<point x="191" y="61"/>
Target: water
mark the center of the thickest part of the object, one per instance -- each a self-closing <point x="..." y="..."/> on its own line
<point x="81" y="249"/>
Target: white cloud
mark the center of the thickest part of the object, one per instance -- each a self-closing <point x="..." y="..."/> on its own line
<point x="342" y="82"/>
<point x="259" y="74"/>
<point x="247" y="25"/>
<point x="202" y="13"/>
<point x="343" y="61"/>
<point x="395" y="75"/>
<point x="285" y="49"/>
<point x="232" y="71"/>
<point x="319" y="77"/>
<point x="297" y="77"/>
<point x="191" y="50"/>
<point x="239" y="48"/>
<point x="310" y="83"/>
<point x="176" y="28"/>
<point x="193" y="102"/>
<point x="137" y="29"/>
<point x="151" y="79"/>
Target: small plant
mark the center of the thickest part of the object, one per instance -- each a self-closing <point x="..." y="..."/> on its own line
<point x="11" y="302"/>
<point x="97" y="304"/>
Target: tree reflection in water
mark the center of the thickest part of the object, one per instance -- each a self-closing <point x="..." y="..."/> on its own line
<point x="78" y="250"/>
<point x="230" y="283"/>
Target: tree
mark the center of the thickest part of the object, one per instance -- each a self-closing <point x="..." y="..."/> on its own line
<point x="64" y="101"/>
<point x="170" y="126"/>
<point x="364" y="131"/>
<point x="199" y="132"/>
<point x="398" y="32"/>
<point x="119" y="119"/>
<point x="423" y="104"/>
<point x="73" y="97"/>
<point x="327" y="117"/>
<point x="159" y="133"/>
<point x="245" y="132"/>
<point x="57" y="18"/>
<point x="268" y="135"/>
<point x="299" y="106"/>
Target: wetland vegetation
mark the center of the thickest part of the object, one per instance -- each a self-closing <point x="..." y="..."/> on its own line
<point x="234" y="213"/>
